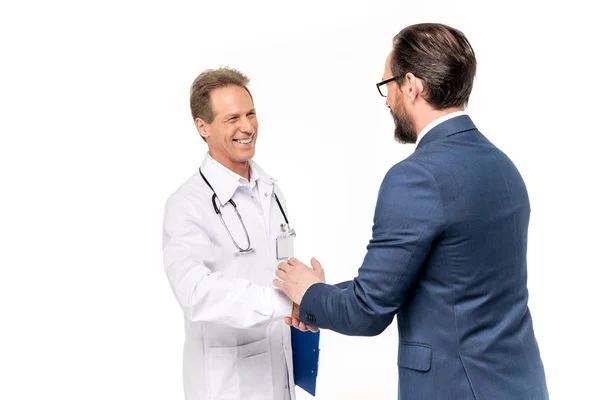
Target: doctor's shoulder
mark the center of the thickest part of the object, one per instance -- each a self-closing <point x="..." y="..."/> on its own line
<point x="190" y="194"/>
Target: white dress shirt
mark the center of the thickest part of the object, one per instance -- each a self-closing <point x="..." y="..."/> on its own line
<point x="237" y="345"/>
<point x="436" y="122"/>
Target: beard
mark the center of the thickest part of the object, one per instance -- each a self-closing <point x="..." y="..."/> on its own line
<point x="405" y="131"/>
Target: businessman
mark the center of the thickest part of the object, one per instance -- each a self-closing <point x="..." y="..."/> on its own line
<point x="449" y="243"/>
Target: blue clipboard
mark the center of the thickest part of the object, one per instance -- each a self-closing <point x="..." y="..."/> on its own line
<point x="305" y="352"/>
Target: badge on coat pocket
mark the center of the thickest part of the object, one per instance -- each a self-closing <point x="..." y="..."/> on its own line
<point x="284" y="244"/>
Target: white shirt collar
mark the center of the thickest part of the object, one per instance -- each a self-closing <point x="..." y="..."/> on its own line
<point x="436" y="122"/>
<point x="225" y="182"/>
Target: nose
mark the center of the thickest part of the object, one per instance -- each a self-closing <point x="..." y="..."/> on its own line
<point x="247" y="126"/>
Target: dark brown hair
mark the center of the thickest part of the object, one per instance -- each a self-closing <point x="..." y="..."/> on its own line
<point x="439" y="55"/>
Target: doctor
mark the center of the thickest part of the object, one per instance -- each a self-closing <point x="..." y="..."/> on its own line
<point x="224" y="230"/>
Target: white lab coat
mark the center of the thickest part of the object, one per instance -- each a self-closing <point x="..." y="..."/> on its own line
<point x="237" y="345"/>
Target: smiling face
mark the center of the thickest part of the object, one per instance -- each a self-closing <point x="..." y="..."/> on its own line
<point x="232" y="134"/>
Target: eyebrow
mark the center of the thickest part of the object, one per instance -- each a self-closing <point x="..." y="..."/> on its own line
<point x="227" y="116"/>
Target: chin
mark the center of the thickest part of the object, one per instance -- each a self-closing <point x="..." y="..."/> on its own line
<point x="246" y="155"/>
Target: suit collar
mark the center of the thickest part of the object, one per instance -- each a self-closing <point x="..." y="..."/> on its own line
<point x="447" y="128"/>
<point x="436" y="122"/>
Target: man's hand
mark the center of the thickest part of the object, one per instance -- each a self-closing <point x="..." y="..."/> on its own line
<point x="294" y="321"/>
<point x="296" y="278"/>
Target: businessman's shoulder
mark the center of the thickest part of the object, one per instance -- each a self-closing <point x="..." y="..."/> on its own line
<point x="413" y="164"/>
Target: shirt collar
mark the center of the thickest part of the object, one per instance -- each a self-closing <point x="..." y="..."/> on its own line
<point x="225" y="182"/>
<point x="436" y="122"/>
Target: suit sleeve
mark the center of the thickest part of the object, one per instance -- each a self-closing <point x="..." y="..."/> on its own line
<point x="408" y="217"/>
<point x="205" y="295"/>
<point x="342" y="285"/>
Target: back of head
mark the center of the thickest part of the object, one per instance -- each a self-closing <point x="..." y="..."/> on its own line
<point x="209" y="80"/>
<point x="439" y="55"/>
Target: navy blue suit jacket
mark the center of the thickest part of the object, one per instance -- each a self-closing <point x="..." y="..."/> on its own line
<point x="447" y="257"/>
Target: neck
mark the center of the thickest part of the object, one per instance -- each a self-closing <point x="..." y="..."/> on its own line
<point x="240" y="168"/>
<point x="431" y="115"/>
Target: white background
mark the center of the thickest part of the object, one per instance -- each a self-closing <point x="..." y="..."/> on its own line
<point x="96" y="133"/>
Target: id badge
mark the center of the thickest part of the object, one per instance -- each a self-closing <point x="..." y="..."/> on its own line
<point x="284" y="243"/>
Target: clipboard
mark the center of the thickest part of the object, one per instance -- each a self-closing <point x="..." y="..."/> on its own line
<point x="305" y="356"/>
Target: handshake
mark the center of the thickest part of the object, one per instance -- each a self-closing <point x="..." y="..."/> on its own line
<point x="294" y="279"/>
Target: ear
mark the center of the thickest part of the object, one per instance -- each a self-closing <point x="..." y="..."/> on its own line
<point x="415" y="86"/>
<point x="202" y="127"/>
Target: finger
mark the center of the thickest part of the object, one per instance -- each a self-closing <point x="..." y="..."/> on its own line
<point x="313" y="329"/>
<point x="316" y="266"/>
<point x="288" y="321"/>
<point x="284" y="266"/>
<point x="295" y="323"/>
<point x="302" y="326"/>
<point x="279" y="284"/>
<point x="281" y="274"/>
<point x="294" y="262"/>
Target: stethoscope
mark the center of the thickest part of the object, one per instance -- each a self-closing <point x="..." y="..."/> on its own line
<point x="218" y="211"/>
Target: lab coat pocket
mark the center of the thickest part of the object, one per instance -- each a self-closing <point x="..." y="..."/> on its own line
<point x="240" y="372"/>
<point x="255" y="371"/>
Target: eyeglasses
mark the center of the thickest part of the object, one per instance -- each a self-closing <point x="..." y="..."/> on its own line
<point x="382" y="86"/>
